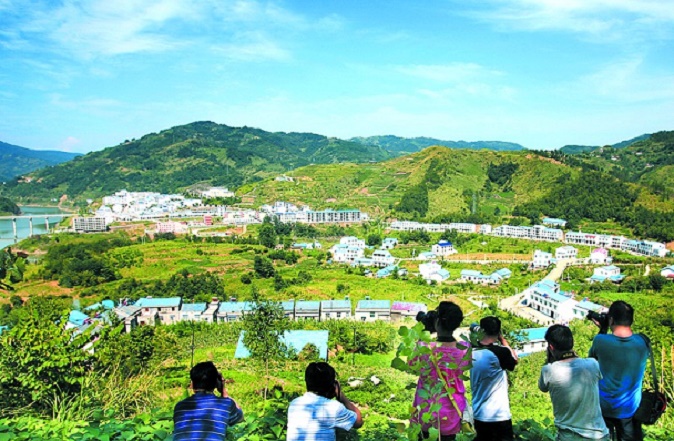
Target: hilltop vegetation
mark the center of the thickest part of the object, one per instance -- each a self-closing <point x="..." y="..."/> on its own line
<point x="16" y="161"/>
<point x="8" y="207"/>
<point x="174" y="159"/>
<point x="401" y="146"/>
<point x="576" y="149"/>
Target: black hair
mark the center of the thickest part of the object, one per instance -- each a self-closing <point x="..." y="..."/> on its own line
<point x="320" y="379"/>
<point x="491" y="325"/>
<point x="204" y="376"/>
<point x="622" y="313"/>
<point x="450" y="317"/>
<point x="560" y="337"/>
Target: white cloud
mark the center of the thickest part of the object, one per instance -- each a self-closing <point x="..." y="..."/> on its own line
<point x="69" y="144"/>
<point x="601" y="19"/>
<point x="252" y="46"/>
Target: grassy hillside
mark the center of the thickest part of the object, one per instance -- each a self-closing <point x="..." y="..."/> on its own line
<point x="377" y="188"/>
<point x="174" y="159"/>
<point x="16" y="161"/>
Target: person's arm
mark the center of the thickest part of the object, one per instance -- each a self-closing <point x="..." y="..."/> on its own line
<point x="350" y="406"/>
<point x="542" y="384"/>
<point x="235" y="413"/>
<point x="505" y="344"/>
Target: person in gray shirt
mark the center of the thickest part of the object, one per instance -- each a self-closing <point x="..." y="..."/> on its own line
<point x="573" y="386"/>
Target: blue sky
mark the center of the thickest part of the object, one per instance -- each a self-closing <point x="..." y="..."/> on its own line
<point x="83" y="75"/>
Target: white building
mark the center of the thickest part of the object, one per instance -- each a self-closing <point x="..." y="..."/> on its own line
<point x="566" y="252"/>
<point x="389" y="243"/>
<point x="382" y="258"/>
<point x="668" y="272"/>
<point x="433" y="272"/>
<point x="371" y="310"/>
<point x="172" y="227"/>
<point x="600" y="256"/>
<point x="352" y="241"/>
<point x="335" y="309"/>
<point x="217" y="192"/>
<point x="167" y="309"/>
<point x="345" y="253"/>
<point x="443" y="248"/>
<point x="89" y="224"/>
<point x="541" y="259"/>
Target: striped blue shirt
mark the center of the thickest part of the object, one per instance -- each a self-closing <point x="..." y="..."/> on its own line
<point x="204" y="417"/>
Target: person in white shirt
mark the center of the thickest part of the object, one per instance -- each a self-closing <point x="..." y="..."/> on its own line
<point x="323" y="408"/>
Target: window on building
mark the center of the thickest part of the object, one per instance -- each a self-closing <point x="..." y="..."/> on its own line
<point x="372" y="314"/>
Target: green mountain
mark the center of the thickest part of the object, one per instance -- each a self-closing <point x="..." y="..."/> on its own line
<point x="577" y="149"/>
<point x="401" y="146"/>
<point x="16" y="161"/>
<point x="200" y="152"/>
<point x="8" y="207"/>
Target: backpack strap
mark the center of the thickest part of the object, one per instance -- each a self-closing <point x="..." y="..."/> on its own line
<point x="650" y="354"/>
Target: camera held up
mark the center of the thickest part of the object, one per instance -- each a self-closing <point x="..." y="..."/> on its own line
<point x="599" y="317"/>
<point x="428" y="319"/>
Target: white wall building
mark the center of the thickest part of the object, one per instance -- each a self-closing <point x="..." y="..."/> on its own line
<point x="566" y="252"/>
<point x="382" y="258"/>
<point x="443" y="248"/>
<point x="541" y="259"/>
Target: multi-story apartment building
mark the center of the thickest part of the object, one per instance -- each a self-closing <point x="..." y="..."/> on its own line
<point x="167" y="309"/>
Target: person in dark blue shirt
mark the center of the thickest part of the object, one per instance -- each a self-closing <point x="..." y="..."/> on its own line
<point x="205" y="416"/>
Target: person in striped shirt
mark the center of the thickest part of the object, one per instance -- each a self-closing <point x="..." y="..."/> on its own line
<point x="205" y="416"/>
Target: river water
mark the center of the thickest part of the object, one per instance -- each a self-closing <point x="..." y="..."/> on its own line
<point x="23" y="225"/>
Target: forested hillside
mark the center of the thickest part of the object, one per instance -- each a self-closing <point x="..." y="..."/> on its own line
<point x="15" y="160"/>
<point x="399" y="145"/>
<point x="9" y="207"/>
<point x="576" y="149"/>
<point x="176" y="158"/>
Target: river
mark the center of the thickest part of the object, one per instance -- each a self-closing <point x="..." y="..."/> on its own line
<point x="23" y="225"/>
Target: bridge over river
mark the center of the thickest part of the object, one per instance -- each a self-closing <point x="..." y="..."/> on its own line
<point x="18" y="223"/>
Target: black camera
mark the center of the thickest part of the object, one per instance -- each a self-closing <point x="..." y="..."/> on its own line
<point x="599" y="317"/>
<point x="428" y="319"/>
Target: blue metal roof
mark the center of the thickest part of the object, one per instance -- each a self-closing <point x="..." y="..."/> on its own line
<point x="307" y="305"/>
<point x="532" y="334"/>
<point x="561" y="298"/>
<point x="104" y="304"/>
<point x="235" y="307"/>
<point x="3" y="329"/>
<point x="590" y="306"/>
<point x="443" y="273"/>
<point x="503" y="272"/>
<point x="159" y="302"/>
<point x="288" y="305"/>
<point x="336" y="304"/>
<point x="444" y="243"/>
<point x="295" y="340"/>
<point x="193" y="307"/>
<point x="77" y="318"/>
<point x="470" y="273"/>
<point x="374" y="304"/>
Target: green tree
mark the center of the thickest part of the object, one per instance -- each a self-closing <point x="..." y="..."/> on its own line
<point x="267" y="234"/>
<point x="264" y="326"/>
<point x="657" y="282"/>
<point x="263" y="267"/>
<point x="374" y="240"/>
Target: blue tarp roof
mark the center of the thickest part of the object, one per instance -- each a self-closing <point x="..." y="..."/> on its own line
<point x="296" y="340"/>
<point x="159" y="302"/>
<point x="532" y="334"/>
<point x="288" y="305"/>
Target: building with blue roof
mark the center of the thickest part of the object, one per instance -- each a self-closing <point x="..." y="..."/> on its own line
<point x="372" y="310"/>
<point x="581" y="308"/>
<point x="294" y="340"/>
<point x="77" y="319"/>
<point x="362" y="261"/>
<point x="504" y="273"/>
<point x="389" y="243"/>
<point x="166" y="308"/>
<point x="555" y="222"/>
<point x="668" y="272"/>
<point x="609" y="272"/>
<point x="335" y="309"/>
<point x="233" y="311"/>
<point x="475" y="276"/>
<point x="289" y="309"/>
<point x="443" y="248"/>
<point x="427" y="255"/>
<point x="307" y="310"/>
<point x="103" y="304"/>
<point x="532" y="340"/>
<point x="387" y="271"/>
<point x="192" y="311"/>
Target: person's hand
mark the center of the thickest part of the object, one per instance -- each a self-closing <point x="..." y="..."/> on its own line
<point x="338" y="391"/>
<point x="221" y="386"/>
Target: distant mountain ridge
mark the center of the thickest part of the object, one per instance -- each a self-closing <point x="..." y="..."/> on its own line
<point x="16" y="160"/>
<point x="201" y="152"/>
<point x="577" y="149"/>
<point x="399" y="145"/>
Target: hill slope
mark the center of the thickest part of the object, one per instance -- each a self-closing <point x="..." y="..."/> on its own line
<point x="16" y="161"/>
<point x="399" y="145"/>
<point x="577" y="149"/>
<point x="200" y="152"/>
<point x="451" y="176"/>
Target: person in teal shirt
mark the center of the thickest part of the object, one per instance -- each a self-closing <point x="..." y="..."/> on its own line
<point x="622" y="360"/>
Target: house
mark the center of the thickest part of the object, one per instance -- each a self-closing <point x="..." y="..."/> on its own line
<point x="541" y="259"/>
<point x="474" y="276"/>
<point x="307" y="310"/>
<point x="335" y="309"/>
<point x="294" y="340"/>
<point x="289" y="309"/>
<point x="210" y="314"/>
<point x="389" y="243"/>
<point x="342" y="253"/>
<point x="167" y="309"/>
<point x="443" y="248"/>
<point x="77" y="319"/>
<point x="382" y="258"/>
<point x="504" y="273"/>
<point x="554" y="222"/>
<point x="427" y="255"/>
<point x="105" y="305"/>
<point x="403" y="310"/>
<point x="546" y="297"/>
<point x="386" y="271"/>
<point x="668" y="272"/>
<point x="89" y="224"/>
<point x="582" y="308"/>
<point x="433" y="272"/>
<point x="307" y="246"/>
<point x="610" y="272"/>
<point x="566" y="252"/>
<point x="531" y="340"/>
<point x="371" y="310"/>
<point x="233" y="311"/>
<point x="192" y="312"/>
<point x="362" y="261"/>
<point x="600" y="256"/>
<point x="352" y="241"/>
